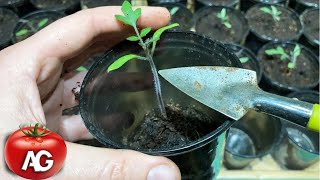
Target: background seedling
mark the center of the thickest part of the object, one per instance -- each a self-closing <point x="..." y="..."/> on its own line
<point x="33" y="29"/>
<point x="148" y="45"/>
<point x="174" y="10"/>
<point x="284" y="56"/>
<point x="242" y="59"/>
<point x="81" y="69"/>
<point x="222" y="15"/>
<point x="273" y="12"/>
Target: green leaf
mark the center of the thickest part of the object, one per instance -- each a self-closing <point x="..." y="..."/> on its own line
<point x="296" y="51"/>
<point x="244" y="59"/>
<point x="123" y="19"/>
<point x="291" y="65"/>
<point x="283" y="57"/>
<point x="223" y="12"/>
<point x="145" y="31"/>
<point x="158" y="33"/>
<point x="121" y="61"/>
<point x="81" y="69"/>
<point x="43" y="22"/>
<point x="274" y="10"/>
<point x="133" y="38"/>
<point x="174" y="10"/>
<point x="272" y="52"/>
<point x="266" y="10"/>
<point x="280" y="50"/>
<point x="22" y="32"/>
<point x="227" y="24"/>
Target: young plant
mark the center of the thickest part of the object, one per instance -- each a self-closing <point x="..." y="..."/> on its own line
<point x="222" y="15"/>
<point x="25" y="31"/>
<point x="174" y="10"/>
<point x="273" y="12"/>
<point x="244" y="59"/>
<point x="284" y="56"/>
<point x="148" y="45"/>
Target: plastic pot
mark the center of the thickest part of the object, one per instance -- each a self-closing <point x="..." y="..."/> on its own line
<point x="264" y="28"/>
<point x="301" y="5"/>
<point x="85" y="4"/>
<point x="310" y="22"/>
<point x="253" y="136"/>
<point x="8" y="21"/>
<point x="114" y="106"/>
<point x="300" y="147"/>
<point x="207" y="23"/>
<point x="65" y="6"/>
<point x="252" y="63"/>
<point x="247" y="4"/>
<point x="32" y="23"/>
<point x="229" y="3"/>
<point x="277" y="77"/>
<point x="183" y="16"/>
<point x="20" y="7"/>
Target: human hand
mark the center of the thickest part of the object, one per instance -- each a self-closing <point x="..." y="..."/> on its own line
<point x="36" y="88"/>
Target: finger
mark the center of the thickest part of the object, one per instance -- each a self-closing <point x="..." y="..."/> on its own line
<point x="73" y="129"/>
<point x="99" y="163"/>
<point x="68" y="36"/>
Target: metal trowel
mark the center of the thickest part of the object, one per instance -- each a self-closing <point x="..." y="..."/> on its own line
<point x="233" y="91"/>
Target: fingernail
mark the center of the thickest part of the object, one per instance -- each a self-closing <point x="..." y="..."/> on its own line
<point x="162" y="172"/>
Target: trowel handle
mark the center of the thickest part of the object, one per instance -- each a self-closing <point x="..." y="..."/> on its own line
<point x="298" y="112"/>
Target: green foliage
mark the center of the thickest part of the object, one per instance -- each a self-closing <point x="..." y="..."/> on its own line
<point x="22" y="32"/>
<point x="130" y="16"/>
<point x="81" y="69"/>
<point x="284" y="56"/>
<point x="145" y="31"/>
<point x="121" y="61"/>
<point x="43" y="22"/>
<point x="273" y="11"/>
<point x="224" y="18"/>
<point x="244" y="59"/>
<point x="174" y="10"/>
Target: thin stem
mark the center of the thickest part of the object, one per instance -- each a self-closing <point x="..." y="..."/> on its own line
<point x="140" y="39"/>
<point x="157" y="86"/>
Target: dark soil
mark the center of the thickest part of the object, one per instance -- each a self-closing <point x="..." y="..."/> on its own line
<point x="305" y="73"/>
<point x="8" y="21"/>
<point x="310" y="21"/>
<point x="53" y="4"/>
<point x="207" y="23"/>
<point x="97" y="3"/>
<point x="219" y="2"/>
<point x="31" y="24"/>
<point x="183" y="126"/>
<point x="262" y="24"/>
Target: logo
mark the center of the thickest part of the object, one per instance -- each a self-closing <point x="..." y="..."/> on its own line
<point x="34" y="152"/>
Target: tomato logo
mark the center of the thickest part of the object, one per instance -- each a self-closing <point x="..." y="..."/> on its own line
<point x="34" y="152"/>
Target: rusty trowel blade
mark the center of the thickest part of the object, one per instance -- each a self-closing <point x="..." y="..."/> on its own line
<point x="228" y="90"/>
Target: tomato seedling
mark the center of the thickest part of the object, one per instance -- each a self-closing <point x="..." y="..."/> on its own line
<point x="148" y="45"/>
<point x="284" y="56"/>
<point x="222" y="15"/>
<point x="33" y="29"/>
<point x="273" y="11"/>
<point x="25" y="148"/>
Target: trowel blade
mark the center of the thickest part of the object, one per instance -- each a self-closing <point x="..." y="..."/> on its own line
<point x="228" y="90"/>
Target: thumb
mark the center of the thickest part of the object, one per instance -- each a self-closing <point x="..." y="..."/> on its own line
<point x="86" y="162"/>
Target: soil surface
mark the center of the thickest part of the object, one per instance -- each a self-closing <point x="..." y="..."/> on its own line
<point x="97" y="3"/>
<point x="219" y="2"/>
<point x="210" y="25"/>
<point x="49" y="4"/>
<point x="305" y="73"/>
<point x="31" y="24"/>
<point x="182" y="126"/>
<point x="287" y="28"/>
<point x="8" y="21"/>
<point x="311" y="25"/>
